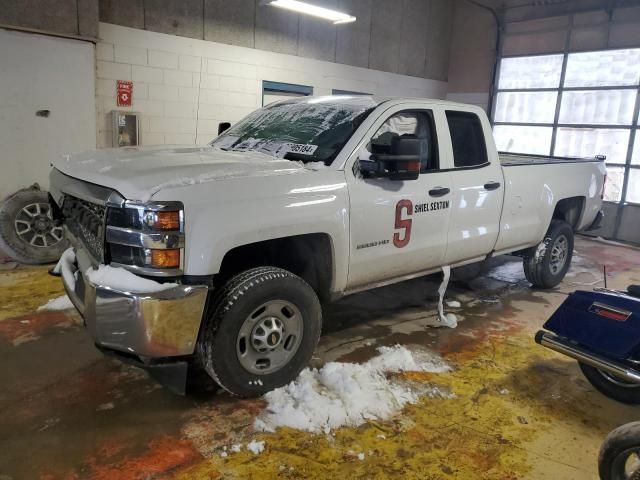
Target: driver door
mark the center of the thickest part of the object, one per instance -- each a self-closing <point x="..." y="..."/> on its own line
<point x="398" y="227"/>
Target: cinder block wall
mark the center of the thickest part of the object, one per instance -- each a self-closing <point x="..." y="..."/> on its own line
<point x="184" y="87"/>
<point x="409" y="37"/>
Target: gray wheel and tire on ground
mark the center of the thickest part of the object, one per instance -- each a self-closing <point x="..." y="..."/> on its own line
<point x="28" y="232"/>
<point x="260" y="332"/>
<point x="546" y="265"/>
<point x="619" y="457"/>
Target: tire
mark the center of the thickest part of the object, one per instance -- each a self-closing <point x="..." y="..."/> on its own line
<point x="542" y="264"/>
<point x="616" y="449"/>
<point x="240" y="345"/>
<point x="620" y="390"/>
<point x="41" y="240"/>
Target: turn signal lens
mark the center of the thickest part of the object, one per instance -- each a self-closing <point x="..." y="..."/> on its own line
<point x="165" y="258"/>
<point x="163" y="220"/>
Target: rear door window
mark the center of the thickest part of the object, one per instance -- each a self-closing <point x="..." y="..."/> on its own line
<point x="467" y="139"/>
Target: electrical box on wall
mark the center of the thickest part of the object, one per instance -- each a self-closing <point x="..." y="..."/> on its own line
<point x="126" y="129"/>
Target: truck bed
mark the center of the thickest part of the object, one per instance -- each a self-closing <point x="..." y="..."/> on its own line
<point x="514" y="159"/>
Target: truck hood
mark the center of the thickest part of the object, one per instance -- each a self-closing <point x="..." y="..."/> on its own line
<point x="138" y="173"/>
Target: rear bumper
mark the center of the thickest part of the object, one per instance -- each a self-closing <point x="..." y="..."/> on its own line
<point x="143" y="325"/>
<point x="597" y="222"/>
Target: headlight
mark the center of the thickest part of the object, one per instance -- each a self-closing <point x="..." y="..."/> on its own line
<point x="162" y="220"/>
<point x="147" y="239"/>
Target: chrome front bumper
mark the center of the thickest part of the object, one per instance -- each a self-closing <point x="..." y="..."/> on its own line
<point x="145" y="325"/>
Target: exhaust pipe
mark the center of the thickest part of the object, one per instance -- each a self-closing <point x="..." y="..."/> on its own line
<point x="576" y="352"/>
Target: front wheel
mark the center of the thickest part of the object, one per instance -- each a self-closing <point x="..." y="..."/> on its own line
<point x="611" y="386"/>
<point x="261" y="331"/>
<point x="619" y="454"/>
<point x="546" y="265"/>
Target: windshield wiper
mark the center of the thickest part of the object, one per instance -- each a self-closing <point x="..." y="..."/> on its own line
<point x="247" y="150"/>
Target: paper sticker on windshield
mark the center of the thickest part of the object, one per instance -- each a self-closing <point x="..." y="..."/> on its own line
<point x="301" y="148"/>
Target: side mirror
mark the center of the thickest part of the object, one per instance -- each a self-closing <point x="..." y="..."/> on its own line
<point x="401" y="163"/>
<point x="223" y="126"/>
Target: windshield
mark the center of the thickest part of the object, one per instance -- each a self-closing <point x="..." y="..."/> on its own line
<point x="313" y="130"/>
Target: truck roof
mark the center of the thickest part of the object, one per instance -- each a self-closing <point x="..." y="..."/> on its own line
<point x="364" y="100"/>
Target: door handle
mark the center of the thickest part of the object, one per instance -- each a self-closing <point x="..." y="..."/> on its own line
<point x="491" y="185"/>
<point x="438" y="191"/>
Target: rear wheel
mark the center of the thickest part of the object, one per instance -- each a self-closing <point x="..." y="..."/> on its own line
<point x="262" y="330"/>
<point x="546" y="265"/>
<point x="28" y="232"/>
<point x="612" y="386"/>
<point x="619" y="454"/>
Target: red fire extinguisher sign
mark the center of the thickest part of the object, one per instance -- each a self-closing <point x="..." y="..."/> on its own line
<point x="124" y="93"/>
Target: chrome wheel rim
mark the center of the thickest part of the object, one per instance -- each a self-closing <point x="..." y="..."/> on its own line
<point x="618" y="381"/>
<point x="627" y="465"/>
<point x="269" y="337"/>
<point x="34" y="225"/>
<point x="559" y="253"/>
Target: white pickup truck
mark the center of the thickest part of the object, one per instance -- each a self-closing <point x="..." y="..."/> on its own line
<point x="302" y="202"/>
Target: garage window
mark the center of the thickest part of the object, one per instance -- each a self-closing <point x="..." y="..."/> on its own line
<point x="574" y="105"/>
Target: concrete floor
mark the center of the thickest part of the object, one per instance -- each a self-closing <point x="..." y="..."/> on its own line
<point x="519" y="411"/>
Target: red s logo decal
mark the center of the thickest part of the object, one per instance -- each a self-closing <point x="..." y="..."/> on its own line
<point x="403" y="224"/>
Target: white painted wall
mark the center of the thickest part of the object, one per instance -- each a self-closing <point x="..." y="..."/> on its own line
<point x="36" y="73"/>
<point x="184" y="87"/>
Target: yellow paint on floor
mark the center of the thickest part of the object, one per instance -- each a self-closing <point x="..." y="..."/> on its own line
<point x="510" y="396"/>
<point x="25" y="289"/>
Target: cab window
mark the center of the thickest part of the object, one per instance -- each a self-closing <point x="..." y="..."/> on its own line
<point x="467" y="139"/>
<point x="409" y="125"/>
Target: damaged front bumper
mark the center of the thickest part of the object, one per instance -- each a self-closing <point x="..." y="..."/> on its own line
<point x="156" y="331"/>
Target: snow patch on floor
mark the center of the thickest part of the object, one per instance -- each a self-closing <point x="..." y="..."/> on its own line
<point x="511" y="272"/>
<point x="453" y="304"/>
<point x="255" y="447"/>
<point x="348" y="394"/>
<point x="123" y="280"/>
<point x="449" y="320"/>
<point x="60" y="303"/>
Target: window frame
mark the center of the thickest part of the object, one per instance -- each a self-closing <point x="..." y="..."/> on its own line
<point x="482" y="136"/>
<point x="633" y="127"/>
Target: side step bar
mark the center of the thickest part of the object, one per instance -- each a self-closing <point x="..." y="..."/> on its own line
<point x="563" y="346"/>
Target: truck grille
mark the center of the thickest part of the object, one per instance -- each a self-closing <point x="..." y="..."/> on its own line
<point x="85" y="221"/>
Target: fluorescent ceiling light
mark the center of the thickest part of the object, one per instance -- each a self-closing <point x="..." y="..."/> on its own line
<point x="314" y="10"/>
